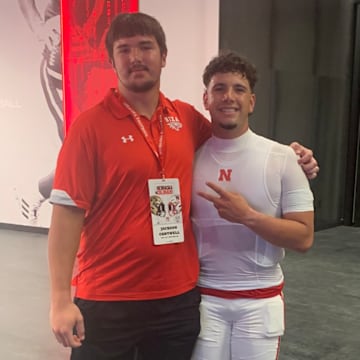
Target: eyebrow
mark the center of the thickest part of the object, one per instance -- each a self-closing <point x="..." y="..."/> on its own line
<point x="142" y="42"/>
<point x="234" y="85"/>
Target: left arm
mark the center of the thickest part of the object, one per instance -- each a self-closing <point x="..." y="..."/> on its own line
<point x="295" y="230"/>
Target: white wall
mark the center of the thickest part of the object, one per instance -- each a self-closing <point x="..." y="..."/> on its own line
<point x="192" y="32"/>
<point x="28" y="136"/>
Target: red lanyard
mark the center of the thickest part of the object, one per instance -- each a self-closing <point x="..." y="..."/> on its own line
<point x="157" y="150"/>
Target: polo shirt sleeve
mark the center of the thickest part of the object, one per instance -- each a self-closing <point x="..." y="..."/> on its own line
<point x="200" y="125"/>
<point x="205" y="129"/>
<point x="75" y="175"/>
<point x="202" y="128"/>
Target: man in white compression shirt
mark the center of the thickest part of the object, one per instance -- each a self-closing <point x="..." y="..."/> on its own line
<point x="251" y="200"/>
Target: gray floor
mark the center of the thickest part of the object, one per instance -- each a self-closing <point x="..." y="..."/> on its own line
<point x="322" y="294"/>
<point x="24" y="327"/>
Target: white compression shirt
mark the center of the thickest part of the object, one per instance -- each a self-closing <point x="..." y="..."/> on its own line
<point x="266" y="173"/>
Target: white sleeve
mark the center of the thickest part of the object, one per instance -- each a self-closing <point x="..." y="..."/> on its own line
<point x="296" y="193"/>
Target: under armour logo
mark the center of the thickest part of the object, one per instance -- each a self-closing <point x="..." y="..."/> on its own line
<point x="126" y="139"/>
<point x="225" y="175"/>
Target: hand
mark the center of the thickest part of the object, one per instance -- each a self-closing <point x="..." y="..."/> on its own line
<point x="307" y="161"/>
<point x="63" y="321"/>
<point x="230" y="206"/>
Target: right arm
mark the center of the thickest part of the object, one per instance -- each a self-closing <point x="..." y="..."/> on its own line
<point x="64" y="238"/>
<point x="293" y="231"/>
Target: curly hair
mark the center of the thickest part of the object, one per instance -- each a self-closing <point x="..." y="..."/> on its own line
<point x="230" y="62"/>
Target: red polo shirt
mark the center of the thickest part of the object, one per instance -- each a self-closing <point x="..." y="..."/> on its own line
<point x="103" y="167"/>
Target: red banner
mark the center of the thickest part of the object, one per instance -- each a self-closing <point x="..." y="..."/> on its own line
<point x="87" y="72"/>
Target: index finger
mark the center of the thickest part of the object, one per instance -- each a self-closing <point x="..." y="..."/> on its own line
<point x="80" y="329"/>
<point x="296" y="147"/>
<point x="211" y="197"/>
<point x="217" y="188"/>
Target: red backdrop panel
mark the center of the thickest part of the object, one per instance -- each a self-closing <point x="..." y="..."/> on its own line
<point x="87" y="73"/>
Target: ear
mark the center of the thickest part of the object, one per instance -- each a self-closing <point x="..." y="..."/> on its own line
<point x="111" y="60"/>
<point x="206" y="100"/>
<point x="252" y="103"/>
<point x="163" y="59"/>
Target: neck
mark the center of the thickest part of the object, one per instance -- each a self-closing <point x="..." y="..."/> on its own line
<point x="144" y="103"/>
<point x="229" y="133"/>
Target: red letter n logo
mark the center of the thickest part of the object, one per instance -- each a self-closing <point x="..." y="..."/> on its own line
<point x="225" y="175"/>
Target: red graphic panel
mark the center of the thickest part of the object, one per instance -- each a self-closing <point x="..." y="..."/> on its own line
<point x="87" y="73"/>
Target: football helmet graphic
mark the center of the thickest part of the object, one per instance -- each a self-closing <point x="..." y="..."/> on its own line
<point x="157" y="206"/>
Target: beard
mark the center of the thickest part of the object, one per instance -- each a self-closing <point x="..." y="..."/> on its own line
<point x="228" y="126"/>
<point x="142" y="87"/>
<point x="139" y="86"/>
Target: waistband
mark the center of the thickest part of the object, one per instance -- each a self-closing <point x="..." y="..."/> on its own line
<point x="248" y="294"/>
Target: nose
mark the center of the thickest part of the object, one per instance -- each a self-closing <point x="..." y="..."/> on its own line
<point x="228" y="95"/>
<point x="135" y="54"/>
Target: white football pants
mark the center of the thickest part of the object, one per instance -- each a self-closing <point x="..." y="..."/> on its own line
<point x="240" y="329"/>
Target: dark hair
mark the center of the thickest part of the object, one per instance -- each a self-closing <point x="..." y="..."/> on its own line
<point x="230" y="62"/>
<point x="132" y="24"/>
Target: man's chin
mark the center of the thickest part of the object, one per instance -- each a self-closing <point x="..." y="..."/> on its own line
<point x="142" y="87"/>
<point x="229" y="126"/>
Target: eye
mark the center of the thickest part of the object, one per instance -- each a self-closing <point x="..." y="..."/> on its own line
<point x="123" y="50"/>
<point x="240" y="89"/>
<point x="146" y="46"/>
<point x="218" y="88"/>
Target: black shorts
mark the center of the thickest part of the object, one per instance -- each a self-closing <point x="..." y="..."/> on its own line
<point x="164" y="329"/>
